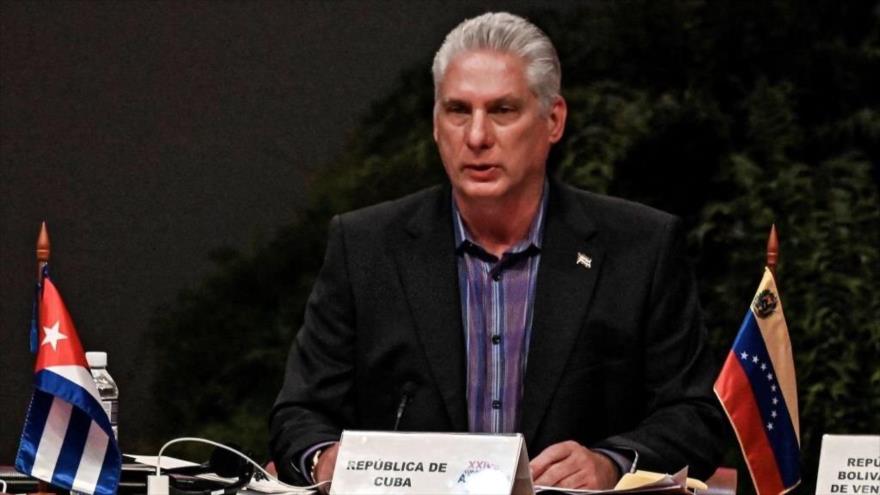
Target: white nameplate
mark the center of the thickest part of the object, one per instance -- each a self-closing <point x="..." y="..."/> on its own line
<point x="372" y="462"/>
<point x="849" y="464"/>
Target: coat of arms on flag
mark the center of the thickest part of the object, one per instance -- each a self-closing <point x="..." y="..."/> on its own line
<point x="758" y="391"/>
<point x="67" y="439"/>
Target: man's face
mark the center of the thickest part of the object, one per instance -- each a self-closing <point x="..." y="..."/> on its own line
<point x="490" y="129"/>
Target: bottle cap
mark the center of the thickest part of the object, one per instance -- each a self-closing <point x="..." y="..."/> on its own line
<point x="96" y="359"/>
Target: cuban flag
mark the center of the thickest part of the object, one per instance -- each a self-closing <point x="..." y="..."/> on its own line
<point x="67" y="440"/>
<point x="758" y="391"/>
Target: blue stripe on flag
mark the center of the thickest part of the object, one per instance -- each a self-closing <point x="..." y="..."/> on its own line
<point x="34" y="424"/>
<point x="55" y="384"/>
<point x="782" y="438"/>
<point x="109" y="477"/>
<point x="72" y="449"/>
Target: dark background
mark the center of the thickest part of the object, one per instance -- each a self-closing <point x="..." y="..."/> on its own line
<point x="149" y="134"/>
<point x="188" y="156"/>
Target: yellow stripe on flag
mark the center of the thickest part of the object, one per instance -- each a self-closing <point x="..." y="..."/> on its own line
<point x="775" y="333"/>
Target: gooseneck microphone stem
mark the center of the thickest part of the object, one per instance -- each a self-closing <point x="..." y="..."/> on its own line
<point x="405" y="396"/>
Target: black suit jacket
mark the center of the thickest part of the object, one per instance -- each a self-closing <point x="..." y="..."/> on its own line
<point x="618" y="356"/>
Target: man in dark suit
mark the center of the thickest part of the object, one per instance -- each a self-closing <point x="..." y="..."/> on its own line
<point x="504" y="301"/>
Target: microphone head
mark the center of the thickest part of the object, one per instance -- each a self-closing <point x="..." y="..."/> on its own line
<point x="409" y="388"/>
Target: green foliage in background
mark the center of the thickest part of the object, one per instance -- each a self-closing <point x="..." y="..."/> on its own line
<point x="733" y="115"/>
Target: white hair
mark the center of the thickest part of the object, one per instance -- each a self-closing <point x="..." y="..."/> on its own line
<point x="506" y="33"/>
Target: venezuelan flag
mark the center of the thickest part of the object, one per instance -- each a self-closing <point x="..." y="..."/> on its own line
<point x="758" y="391"/>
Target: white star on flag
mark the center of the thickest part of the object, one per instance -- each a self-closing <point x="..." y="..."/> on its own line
<point x="755" y="359"/>
<point x="773" y="414"/>
<point x="763" y="366"/>
<point x="769" y="376"/>
<point x="769" y="426"/>
<point x="53" y="335"/>
<point x="744" y="355"/>
<point x="773" y="389"/>
<point x="775" y="400"/>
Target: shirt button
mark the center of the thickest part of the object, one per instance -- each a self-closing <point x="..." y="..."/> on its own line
<point x="496" y="339"/>
<point x="496" y="404"/>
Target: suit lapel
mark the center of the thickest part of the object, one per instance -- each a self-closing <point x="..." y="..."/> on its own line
<point x="563" y="293"/>
<point x="429" y="275"/>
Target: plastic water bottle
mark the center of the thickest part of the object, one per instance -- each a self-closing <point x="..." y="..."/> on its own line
<point x="107" y="388"/>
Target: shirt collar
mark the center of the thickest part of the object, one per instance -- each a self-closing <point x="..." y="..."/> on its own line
<point x="534" y="238"/>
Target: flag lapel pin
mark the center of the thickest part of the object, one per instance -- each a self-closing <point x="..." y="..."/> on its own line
<point x="584" y="260"/>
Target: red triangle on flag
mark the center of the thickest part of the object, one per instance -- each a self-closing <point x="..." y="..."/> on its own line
<point x="58" y="342"/>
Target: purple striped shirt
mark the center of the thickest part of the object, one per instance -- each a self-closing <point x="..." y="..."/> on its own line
<point x="497" y="297"/>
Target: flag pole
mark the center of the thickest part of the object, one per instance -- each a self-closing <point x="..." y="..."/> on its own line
<point x="43" y="251"/>
<point x="772" y="250"/>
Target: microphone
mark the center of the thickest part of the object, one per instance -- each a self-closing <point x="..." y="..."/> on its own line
<point x="409" y="388"/>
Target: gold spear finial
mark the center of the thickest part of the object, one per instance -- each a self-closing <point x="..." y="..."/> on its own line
<point x="772" y="249"/>
<point x="43" y="250"/>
